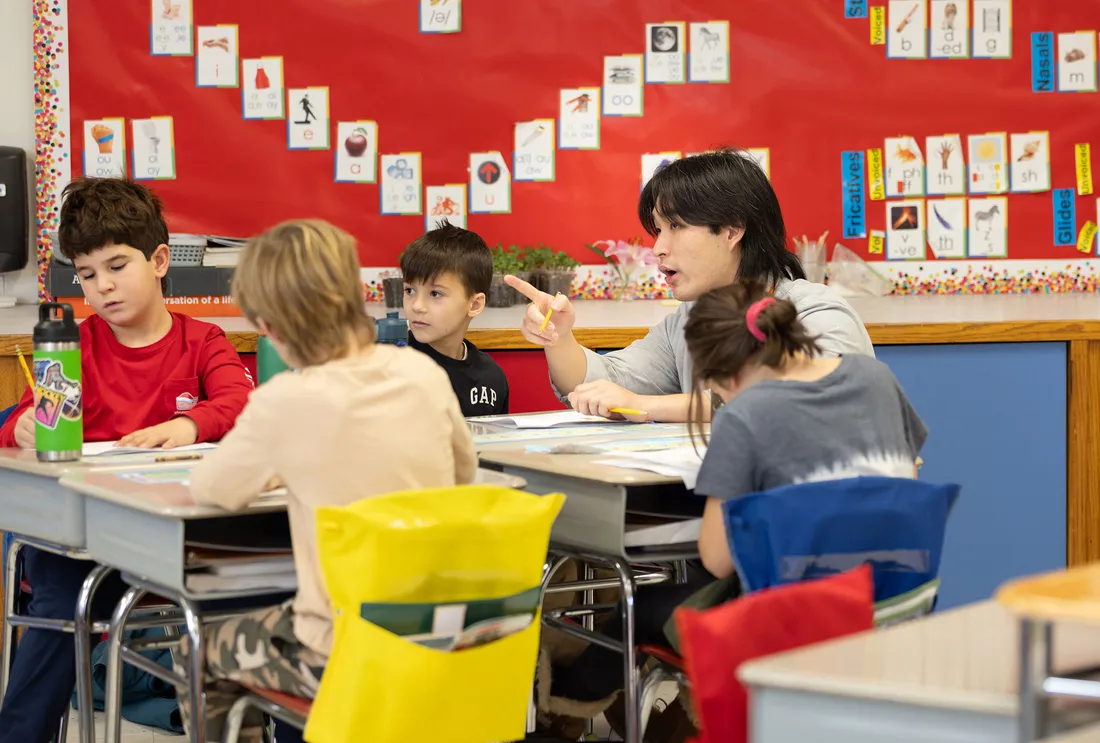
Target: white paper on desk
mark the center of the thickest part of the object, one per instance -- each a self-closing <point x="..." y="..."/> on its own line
<point x="546" y="420"/>
<point x="682" y="462"/>
<point x="111" y="449"/>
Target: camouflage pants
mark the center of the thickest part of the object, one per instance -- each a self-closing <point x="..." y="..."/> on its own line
<point x="258" y="649"/>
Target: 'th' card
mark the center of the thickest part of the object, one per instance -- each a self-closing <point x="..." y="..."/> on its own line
<point x="307" y="123"/>
<point x="945" y="171"/>
<point x="947" y="227"/>
<point x="105" y="148"/>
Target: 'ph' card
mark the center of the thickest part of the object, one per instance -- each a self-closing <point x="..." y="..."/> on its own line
<point x="534" y="152"/>
<point x="1077" y="62"/>
<point x="947" y="227"/>
<point x="906" y="32"/>
<point x="490" y="184"/>
<point x="949" y="29"/>
<point x="904" y="167"/>
<point x="307" y="123"/>
<point x="440" y="16"/>
<point x="579" y="122"/>
<point x="945" y="171"/>
<point x="105" y="148"/>
<point x="400" y="190"/>
<point x="988" y="163"/>
<point x="664" y="56"/>
<point x="988" y="227"/>
<point x="445" y="203"/>
<point x="216" y="61"/>
<point x="356" y="152"/>
<point x="992" y="29"/>
<point x="622" y="85"/>
<point x="905" y="230"/>
<point x="709" y="56"/>
<point x="170" y="32"/>
<point x="652" y="161"/>
<point x="1030" y="169"/>
<point x="262" y="88"/>
<point x="154" y="149"/>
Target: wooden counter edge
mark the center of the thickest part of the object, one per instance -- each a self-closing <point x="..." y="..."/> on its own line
<point x="882" y="334"/>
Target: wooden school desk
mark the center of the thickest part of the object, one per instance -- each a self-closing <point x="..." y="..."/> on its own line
<point x="951" y="676"/>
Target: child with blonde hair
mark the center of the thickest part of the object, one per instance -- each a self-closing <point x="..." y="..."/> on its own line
<point x="358" y="419"/>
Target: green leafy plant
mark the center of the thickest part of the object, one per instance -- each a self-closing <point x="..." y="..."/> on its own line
<point x="504" y="260"/>
<point x="562" y="261"/>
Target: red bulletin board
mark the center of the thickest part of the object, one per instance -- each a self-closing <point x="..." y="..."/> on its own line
<point x="805" y="82"/>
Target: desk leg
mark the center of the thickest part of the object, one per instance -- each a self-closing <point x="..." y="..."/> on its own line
<point x="82" y="642"/>
<point x="11" y="586"/>
<point x="1035" y="667"/>
<point x="630" y="661"/>
<point x="112" y="698"/>
<point x="197" y="672"/>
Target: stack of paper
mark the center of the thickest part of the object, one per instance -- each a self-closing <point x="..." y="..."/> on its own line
<point x="544" y="420"/>
<point x="682" y="462"/>
<point x="112" y="449"/>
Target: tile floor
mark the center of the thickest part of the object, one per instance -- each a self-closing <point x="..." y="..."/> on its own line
<point x="131" y="733"/>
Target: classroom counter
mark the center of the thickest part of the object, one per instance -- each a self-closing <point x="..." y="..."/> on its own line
<point x="1009" y="386"/>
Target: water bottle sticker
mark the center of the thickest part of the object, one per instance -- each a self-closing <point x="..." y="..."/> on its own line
<point x="56" y="396"/>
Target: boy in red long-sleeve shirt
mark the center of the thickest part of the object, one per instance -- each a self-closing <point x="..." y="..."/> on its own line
<point x="150" y="378"/>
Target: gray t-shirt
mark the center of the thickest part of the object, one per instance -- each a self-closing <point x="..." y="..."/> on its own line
<point x="854" y="421"/>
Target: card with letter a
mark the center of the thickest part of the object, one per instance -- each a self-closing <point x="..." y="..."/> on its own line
<point x="154" y="149"/>
<point x="622" y="85"/>
<point x="1030" y="167"/>
<point x="262" y="88"/>
<point x="490" y="184"/>
<point x="906" y="32"/>
<point x="709" y="57"/>
<point x="579" y="124"/>
<point x="216" y="61"/>
<point x="445" y="203"/>
<point x="534" y="152"/>
<point x="170" y="31"/>
<point x="401" y="179"/>
<point x="356" y="152"/>
<point x="307" y="119"/>
<point x="105" y="148"/>
<point x="664" y="56"/>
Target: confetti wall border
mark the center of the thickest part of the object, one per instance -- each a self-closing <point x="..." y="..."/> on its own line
<point x="52" y="161"/>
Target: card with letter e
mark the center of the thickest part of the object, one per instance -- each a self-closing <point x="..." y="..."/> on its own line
<point x="907" y="29"/>
<point x="105" y="148"/>
<point x="401" y="179"/>
<point x="905" y="230"/>
<point x="154" y="149"/>
<point x="356" y="152"/>
<point x="170" y="29"/>
<point x="664" y="57"/>
<point x="947" y="227"/>
<point x="307" y="123"/>
<point x="216" y="63"/>
<point x="445" y="203"/>
<point x="262" y="88"/>
<point x="534" y="153"/>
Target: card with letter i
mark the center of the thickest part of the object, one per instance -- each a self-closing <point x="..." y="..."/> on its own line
<point x="170" y="31"/>
<point x="579" y="125"/>
<point x="356" y="152"/>
<point x="709" y="57"/>
<point x="105" y="148"/>
<point x="401" y="179"/>
<point x="664" y="56"/>
<point x="445" y="203"/>
<point x="534" y="153"/>
<point x="440" y="16"/>
<point x="154" y="149"/>
<point x="947" y="231"/>
<point x="307" y="121"/>
<point x="623" y="89"/>
<point x="216" y="61"/>
<point x="262" y="88"/>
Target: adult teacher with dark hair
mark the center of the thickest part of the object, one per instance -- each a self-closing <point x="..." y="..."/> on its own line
<point x="715" y="217"/>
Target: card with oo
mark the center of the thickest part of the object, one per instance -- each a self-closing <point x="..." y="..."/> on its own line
<point x="170" y="31"/>
<point x="992" y="36"/>
<point x="653" y="160"/>
<point x="905" y="230"/>
<point x="988" y="163"/>
<point x="579" y="122"/>
<point x="945" y="170"/>
<point x="623" y="89"/>
<point x="1077" y="62"/>
<point x="1030" y="169"/>
<point x="906" y="31"/>
<point x="988" y="227"/>
<point x="947" y="227"/>
<point x="534" y="152"/>
<point x="440" y="16"/>
<point x="262" y="88"/>
<point x="949" y="29"/>
<point x="216" y="61"/>
<point x="904" y="167"/>
<point x="445" y="203"/>
<point x="709" y="58"/>
<point x="490" y="184"/>
<point x="154" y="149"/>
<point x="307" y="121"/>
<point x="356" y="152"/>
<point x="401" y="178"/>
<point x="105" y="148"/>
<point x="664" y="56"/>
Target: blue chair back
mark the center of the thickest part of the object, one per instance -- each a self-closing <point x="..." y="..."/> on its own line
<point x="811" y="530"/>
<point x="5" y="414"/>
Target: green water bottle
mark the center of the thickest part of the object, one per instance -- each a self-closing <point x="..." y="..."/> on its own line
<point x="58" y="393"/>
<point x="268" y="361"/>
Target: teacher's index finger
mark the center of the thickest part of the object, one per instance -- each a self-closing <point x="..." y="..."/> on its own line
<point x="525" y="289"/>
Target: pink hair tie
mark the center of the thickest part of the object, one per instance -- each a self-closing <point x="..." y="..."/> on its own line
<point x="753" y="316"/>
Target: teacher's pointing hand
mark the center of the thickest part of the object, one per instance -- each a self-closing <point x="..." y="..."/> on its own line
<point x="561" y="320"/>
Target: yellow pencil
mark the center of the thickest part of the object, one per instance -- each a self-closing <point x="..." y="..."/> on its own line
<point x="549" y="311"/>
<point x="26" y="369"/>
<point x="628" y="411"/>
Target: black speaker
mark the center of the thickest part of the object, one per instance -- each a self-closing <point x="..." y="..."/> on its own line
<point x="14" y="206"/>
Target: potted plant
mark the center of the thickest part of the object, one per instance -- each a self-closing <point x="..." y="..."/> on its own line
<point x="393" y="288"/>
<point x="504" y="262"/>
<point x="558" y="274"/>
<point x="626" y="258"/>
<point x="528" y="260"/>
